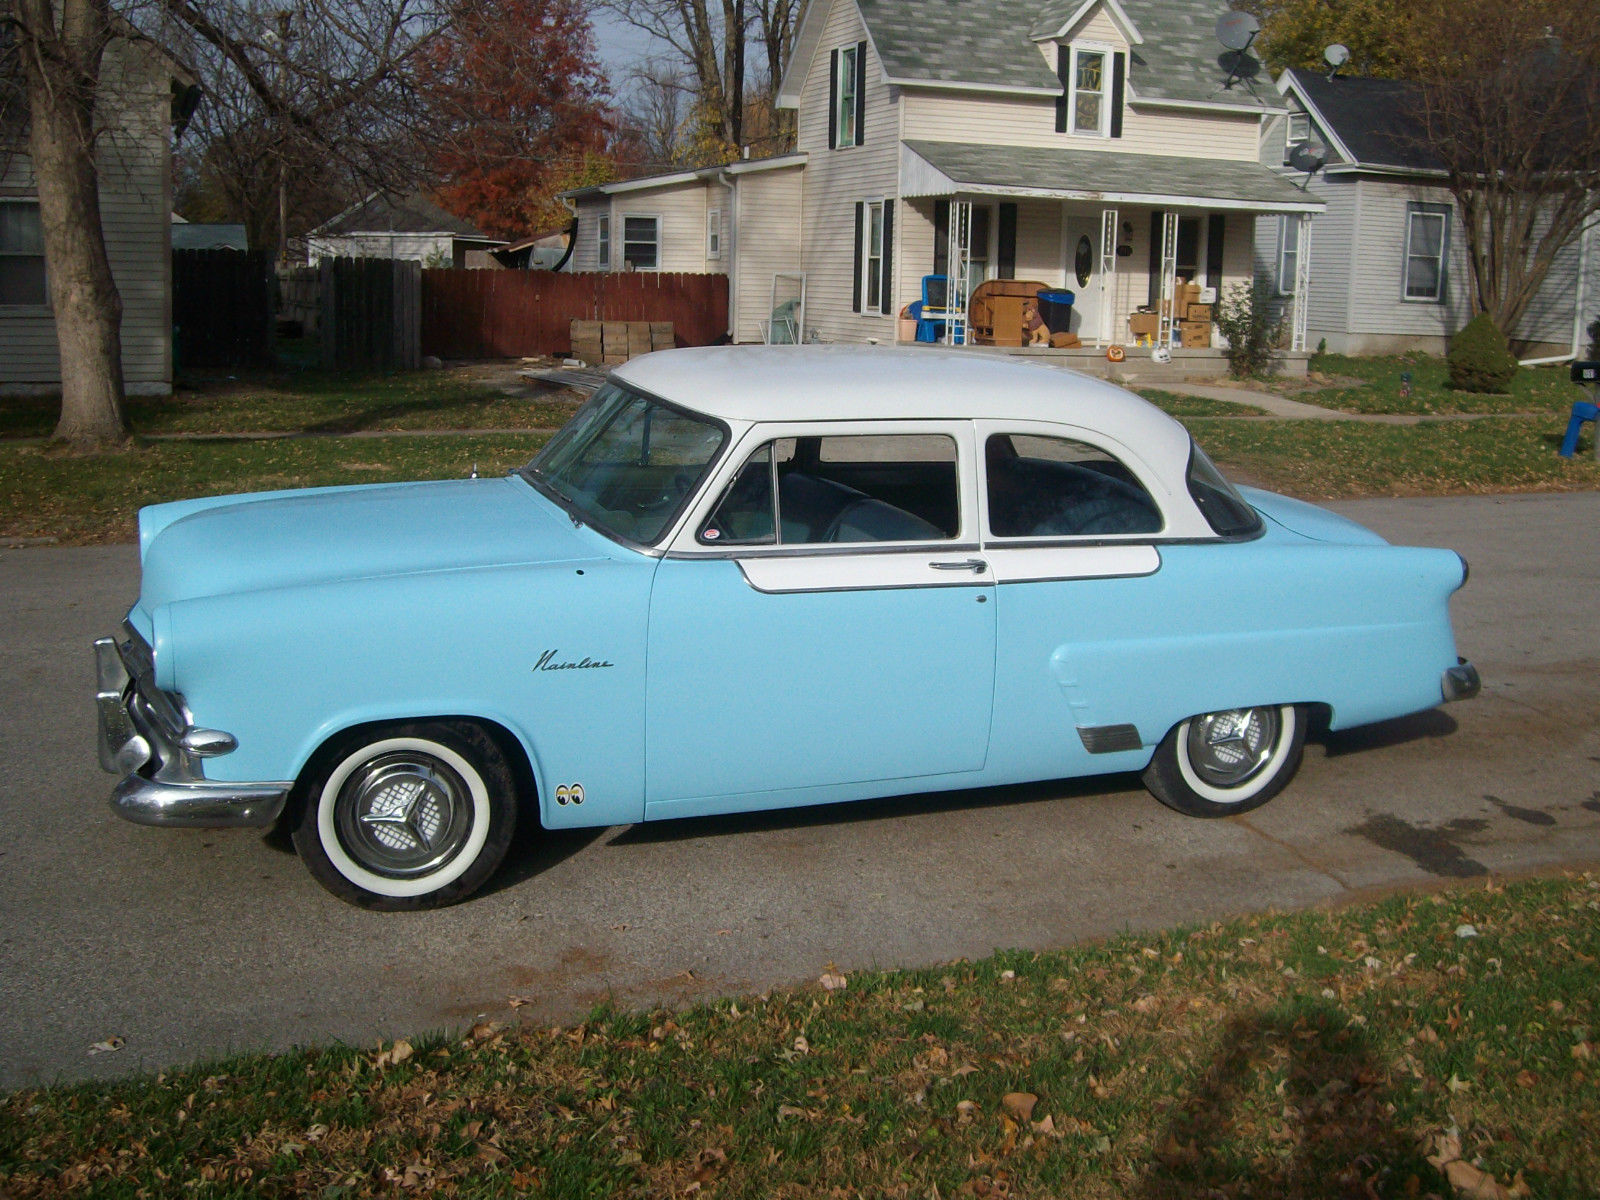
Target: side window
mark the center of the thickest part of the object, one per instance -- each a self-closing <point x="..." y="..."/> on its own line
<point x="1057" y="487"/>
<point x="841" y="490"/>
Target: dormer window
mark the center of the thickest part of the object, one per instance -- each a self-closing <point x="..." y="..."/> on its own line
<point x="1297" y="133"/>
<point x="1088" y="102"/>
<point x="1091" y="90"/>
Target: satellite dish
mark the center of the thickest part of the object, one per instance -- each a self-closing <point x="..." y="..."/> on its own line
<point x="1308" y="157"/>
<point x="1236" y="30"/>
<point x="1336" y="56"/>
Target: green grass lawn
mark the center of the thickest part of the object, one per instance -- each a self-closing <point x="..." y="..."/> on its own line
<point x="1389" y="1049"/>
<point x="1373" y="385"/>
<point x="1176" y="405"/>
<point x="80" y="500"/>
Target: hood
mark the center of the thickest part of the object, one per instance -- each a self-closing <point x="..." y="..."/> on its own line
<point x="251" y="543"/>
<point x="1308" y="520"/>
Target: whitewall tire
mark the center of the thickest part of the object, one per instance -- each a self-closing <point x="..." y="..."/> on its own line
<point x="1227" y="762"/>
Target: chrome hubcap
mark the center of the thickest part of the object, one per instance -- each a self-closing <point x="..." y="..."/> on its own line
<point x="1227" y="748"/>
<point x="404" y="814"/>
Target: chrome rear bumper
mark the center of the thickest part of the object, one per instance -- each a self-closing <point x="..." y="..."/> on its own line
<point x="146" y="737"/>
<point x="1460" y="682"/>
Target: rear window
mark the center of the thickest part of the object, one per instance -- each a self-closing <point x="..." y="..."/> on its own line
<point x="1223" y="508"/>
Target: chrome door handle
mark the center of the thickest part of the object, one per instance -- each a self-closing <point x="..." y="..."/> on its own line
<point x="976" y="565"/>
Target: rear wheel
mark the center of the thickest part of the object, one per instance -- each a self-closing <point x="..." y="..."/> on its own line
<point x="406" y="816"/>
<point x="1222" y="763"/>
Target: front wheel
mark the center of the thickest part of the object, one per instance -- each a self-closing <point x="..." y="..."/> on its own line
<point x="1222" y="763"/>
<point x="406" y="816"/>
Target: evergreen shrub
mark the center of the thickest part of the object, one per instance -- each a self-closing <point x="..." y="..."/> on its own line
<point x="1479" y="358"/>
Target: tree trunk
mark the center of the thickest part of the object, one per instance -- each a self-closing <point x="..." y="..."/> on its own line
<point x="63" y="73"/>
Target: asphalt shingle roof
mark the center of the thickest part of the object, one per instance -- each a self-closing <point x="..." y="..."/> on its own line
<point x="1378" y="120"/>
<point x="406" y="214"/>
<point x="975" y="166"/>
<point x="990" y="43"/>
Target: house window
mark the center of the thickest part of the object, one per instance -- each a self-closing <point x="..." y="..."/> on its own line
<point x="714" y="233"/>
<point x="872" y="260"/>
<point x="1427" y="246"/>
<point x="1297" y="132"/>
<point x="641" y="243"/>
<point x="844" y="107"/>
<point x="21" y="255"/>
<point x="978" y="241"/>
<point x="1088" y="101"/>
<point x="602" y="243"/>
<point x="1288" y="253"/>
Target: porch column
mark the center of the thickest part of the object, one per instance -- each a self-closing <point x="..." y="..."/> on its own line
<point x="1108" y="275"/>
<point x="1302" y="285"/>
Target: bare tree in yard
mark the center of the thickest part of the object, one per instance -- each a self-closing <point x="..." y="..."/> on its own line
<point x="1511" y="102"/>
<point x="57" y="50"/>
<point x="714" y="44"/>
<point x="343" y="96"/>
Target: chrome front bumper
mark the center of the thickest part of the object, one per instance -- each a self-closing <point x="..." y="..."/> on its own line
<point x="1460" y="682"/>
<point x="147" y="738"/>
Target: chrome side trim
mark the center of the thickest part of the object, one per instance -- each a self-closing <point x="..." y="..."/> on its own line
<point x="1460" y="682"/>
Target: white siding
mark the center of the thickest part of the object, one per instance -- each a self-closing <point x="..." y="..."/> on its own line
<point x="1549" y="316"/>
<point x="1031" y="121"/>
<point x="766" y="240"/>
<point x="837" y="179"/>
<point x="682" y="209"/>
<point x="135" y="211"/>
<point x="585" y="256"/>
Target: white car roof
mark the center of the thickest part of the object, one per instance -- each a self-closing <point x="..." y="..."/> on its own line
<point x="870" y="383"/>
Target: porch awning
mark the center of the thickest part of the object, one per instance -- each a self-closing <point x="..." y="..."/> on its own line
<point x="1098" y="176"/>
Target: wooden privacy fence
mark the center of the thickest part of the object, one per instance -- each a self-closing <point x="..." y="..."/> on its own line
<point x="222" y="308"/>
<point x="370" y="312"/>
<point x="509" y="314"/>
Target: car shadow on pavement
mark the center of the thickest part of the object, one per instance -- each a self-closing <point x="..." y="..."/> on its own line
<point x="1422" y="726"/>
<point x="886" y="808"/>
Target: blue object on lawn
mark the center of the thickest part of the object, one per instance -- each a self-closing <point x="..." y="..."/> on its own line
<point x="1581" y="411"/>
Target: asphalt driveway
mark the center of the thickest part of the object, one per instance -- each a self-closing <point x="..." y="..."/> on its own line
<point x="189" y="944"/>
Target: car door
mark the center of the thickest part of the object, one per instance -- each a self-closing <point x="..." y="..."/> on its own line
<point x="824" y="621"/>
<point x="1072" y="527"/>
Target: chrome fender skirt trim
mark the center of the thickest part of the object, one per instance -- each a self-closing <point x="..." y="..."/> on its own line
<point x="201" y="805"/>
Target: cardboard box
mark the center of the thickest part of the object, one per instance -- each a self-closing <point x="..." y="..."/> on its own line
<point x="1194" y="335"/>
<point x="1198" y="312"/>
<point x="1007" y="329"/>
<point x="1065" y="341"/>
<point x="1144" y="324"/>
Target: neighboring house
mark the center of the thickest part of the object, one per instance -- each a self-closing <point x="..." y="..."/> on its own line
<point x="207" y="235"/>
<point x="409" y="227"/>
<point x="1085" y="144"/>
<point x="134" y="158"/>
<point x="1388" y="268"/>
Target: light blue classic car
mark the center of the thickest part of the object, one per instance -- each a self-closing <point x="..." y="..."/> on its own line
<point x="750" y="578"/>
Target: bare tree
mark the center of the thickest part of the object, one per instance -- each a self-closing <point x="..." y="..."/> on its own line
<point x="1510" y="92"/>
<point x="713" y="45"/>
<point x="343" y="95"/>
<point x="654" y="113"/>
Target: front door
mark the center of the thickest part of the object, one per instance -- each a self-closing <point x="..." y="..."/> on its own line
<point x="1081" y="251"/>
<point x="834" y="627"/>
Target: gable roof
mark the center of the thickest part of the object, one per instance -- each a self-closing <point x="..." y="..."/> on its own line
<point x="992" y="45"/>
<point x="415" y="213"/>
<point x="1372" y="122"/>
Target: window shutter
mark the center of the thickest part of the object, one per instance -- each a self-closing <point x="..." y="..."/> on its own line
<point x="861" y="93"/>
<point x="941" y="236"/>
<point x="833" y="100"/>
<point x="1216" y="230"/>
<point x="1119" y="67"/>
<point x="861" y="228"/>
<point x="1064" y="74"/>
<point x="1155" y="256"/>
<point x="886" y="270"/>
<point x="1007" y="268"/>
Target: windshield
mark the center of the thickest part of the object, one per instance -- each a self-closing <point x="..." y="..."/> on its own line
<point x="626" y="464"/>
